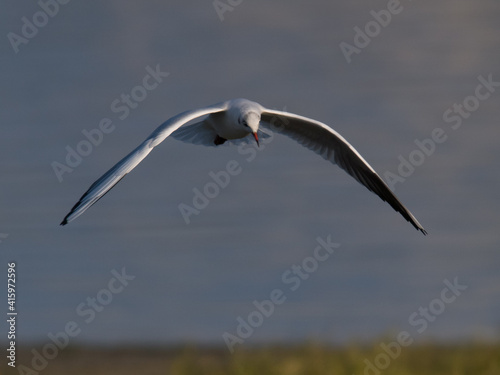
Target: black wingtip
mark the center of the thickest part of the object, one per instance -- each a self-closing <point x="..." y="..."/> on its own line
<point x="423" y="231"/>
<point x="64" y="222"/>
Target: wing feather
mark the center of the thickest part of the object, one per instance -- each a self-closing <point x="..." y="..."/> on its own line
<point x="200" y="133"/>
<point x="107" y="181"/>
<point x="326" y="142"/>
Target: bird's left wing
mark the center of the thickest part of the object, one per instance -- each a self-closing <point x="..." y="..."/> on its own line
<point x="129" y="162"/>
<point x="326" y="142"/>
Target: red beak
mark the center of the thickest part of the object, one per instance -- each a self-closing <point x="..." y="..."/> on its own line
<point x="256" y="138"/>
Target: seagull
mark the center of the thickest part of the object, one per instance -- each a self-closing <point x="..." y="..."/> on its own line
<point x="234" y="120"/>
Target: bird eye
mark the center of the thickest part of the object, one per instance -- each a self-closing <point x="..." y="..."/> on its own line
<point x="243" y="122"/>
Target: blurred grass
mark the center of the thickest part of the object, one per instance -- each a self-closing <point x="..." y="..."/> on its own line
<point x="308" y="359"/>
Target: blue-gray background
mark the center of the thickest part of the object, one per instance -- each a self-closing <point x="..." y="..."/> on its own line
<point x="193" y="281"/>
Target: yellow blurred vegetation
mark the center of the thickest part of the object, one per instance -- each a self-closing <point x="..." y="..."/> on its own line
<point x="307" y="359"/>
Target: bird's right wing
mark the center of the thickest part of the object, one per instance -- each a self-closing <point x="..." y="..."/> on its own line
<point x="129" y="162"/>
<point x="200" y="133"/>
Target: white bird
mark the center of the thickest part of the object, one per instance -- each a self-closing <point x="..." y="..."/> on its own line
<point x="236" y="119"/>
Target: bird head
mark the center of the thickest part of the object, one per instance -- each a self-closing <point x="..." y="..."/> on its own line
<point x="250" y="121"/>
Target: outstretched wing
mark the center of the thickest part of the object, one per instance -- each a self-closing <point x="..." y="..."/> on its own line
<point x="129" y="162"/>
<point x="200" y="133"/>
<point x="326" y="142"/>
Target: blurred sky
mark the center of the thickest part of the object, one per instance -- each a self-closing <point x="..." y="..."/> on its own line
<point x="192" y="281"/>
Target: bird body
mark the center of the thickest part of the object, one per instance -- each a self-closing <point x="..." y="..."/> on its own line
<point x="233" y="120"/>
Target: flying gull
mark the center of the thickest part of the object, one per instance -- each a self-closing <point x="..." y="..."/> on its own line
<point x="234" y="120"/>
